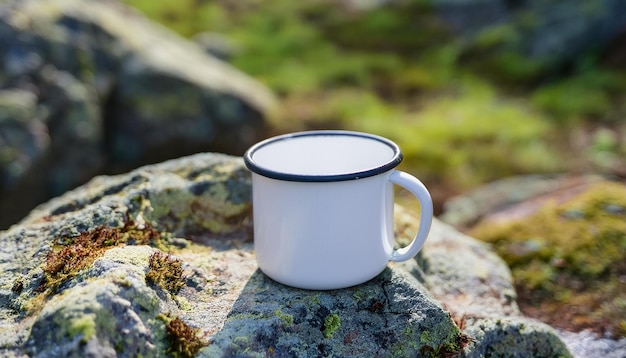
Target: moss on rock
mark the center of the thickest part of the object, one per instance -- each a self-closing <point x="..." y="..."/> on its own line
<point x="108" y="308"/>
<point x="184" y="340"/>
<point x="165" y="271"/>
<point x="568" y="258"/>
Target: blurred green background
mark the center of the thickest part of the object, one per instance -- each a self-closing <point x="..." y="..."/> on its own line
<point x="465" y="109"/>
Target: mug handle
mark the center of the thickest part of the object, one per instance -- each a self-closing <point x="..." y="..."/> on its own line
<point x="415" y="187"/>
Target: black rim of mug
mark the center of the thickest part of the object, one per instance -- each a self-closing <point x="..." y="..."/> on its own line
<point x="255" y="168"/>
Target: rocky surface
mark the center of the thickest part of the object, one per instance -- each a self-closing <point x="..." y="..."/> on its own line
<point x="546" y="30"/>
<point x="475" y="286"/>
<point x="510" y="198"/>
<point x="127" y="265"/>
<point x="563" y="238"/>
<point x="588" y="344"/>
<point x="88" y="87"/>
<point x="519" y="37"/>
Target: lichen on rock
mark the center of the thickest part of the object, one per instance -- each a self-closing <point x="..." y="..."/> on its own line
<point x="386" y="316"/>
<point x="85" y="90"/>
<point x="109" y="304"/>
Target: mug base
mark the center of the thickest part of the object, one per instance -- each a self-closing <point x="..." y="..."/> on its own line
<point x="322" y="286"/>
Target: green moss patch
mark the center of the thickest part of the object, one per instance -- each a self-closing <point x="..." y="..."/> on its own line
<point x="84" y="326"/>
<point x="569" y="259"/>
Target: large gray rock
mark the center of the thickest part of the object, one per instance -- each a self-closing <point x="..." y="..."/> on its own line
<point x="51" y="139"/>
<point x="64" y="295"/>
<point x="492" y="199"/>
<point x="104" y="90"/>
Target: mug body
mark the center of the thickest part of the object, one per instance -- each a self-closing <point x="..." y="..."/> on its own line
<point x="323" y="207"/>
<point x="323" y="235"/>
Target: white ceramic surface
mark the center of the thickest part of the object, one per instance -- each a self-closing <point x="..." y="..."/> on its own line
<point x="323" y="208"/>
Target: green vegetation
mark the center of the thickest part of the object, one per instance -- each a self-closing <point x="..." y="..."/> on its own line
<point x="398" y="72"/>
<point x="570" y="259"/>
<point x="590" y="94"/>
<point x="471" y="138"/>
<point x="84" y="326"/>
<point x="332" y="322"/>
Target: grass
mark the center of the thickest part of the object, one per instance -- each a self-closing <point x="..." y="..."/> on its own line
<point x="592" y="94"/>
<point x="471" y="137"/>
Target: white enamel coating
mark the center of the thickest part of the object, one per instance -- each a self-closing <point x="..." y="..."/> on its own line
<point x="334" y="234"/>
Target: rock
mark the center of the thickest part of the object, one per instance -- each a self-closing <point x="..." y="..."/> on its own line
<point x="24" y="138"/>
<point x="115" y="310"/>
<point x="217" y="45"/>
<point x="551" y="31"/>
<point x="475" y="286"/>
<point x="516" y="39"/>
<point x="79" y="277"/>
<point x="53" y="143"/>
<point x="503" y="196"/>
<point x="105" y="90"/>
<point x="389" y="316"/>
<point x="566" y="251"/>
<point x="588" y="344"/>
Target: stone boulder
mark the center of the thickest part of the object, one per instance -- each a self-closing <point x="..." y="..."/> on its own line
<point x="89" y="87"/>
<point x="160" y="261"/>
<point x="556" y="31"/>
<point x="493" y="199"/>
<point x="520" y="36"/>
<point x="564" y="239"/>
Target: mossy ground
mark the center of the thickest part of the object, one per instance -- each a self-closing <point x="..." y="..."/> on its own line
<point x="569" y="260"/>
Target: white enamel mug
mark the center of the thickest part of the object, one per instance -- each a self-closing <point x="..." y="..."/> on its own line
<point x="323" y="207"/>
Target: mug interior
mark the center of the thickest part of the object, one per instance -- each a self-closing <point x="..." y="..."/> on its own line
<point x="323" y="156"/>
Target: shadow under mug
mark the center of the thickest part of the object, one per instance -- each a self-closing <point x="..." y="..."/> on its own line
<point x="323" y="207"/>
